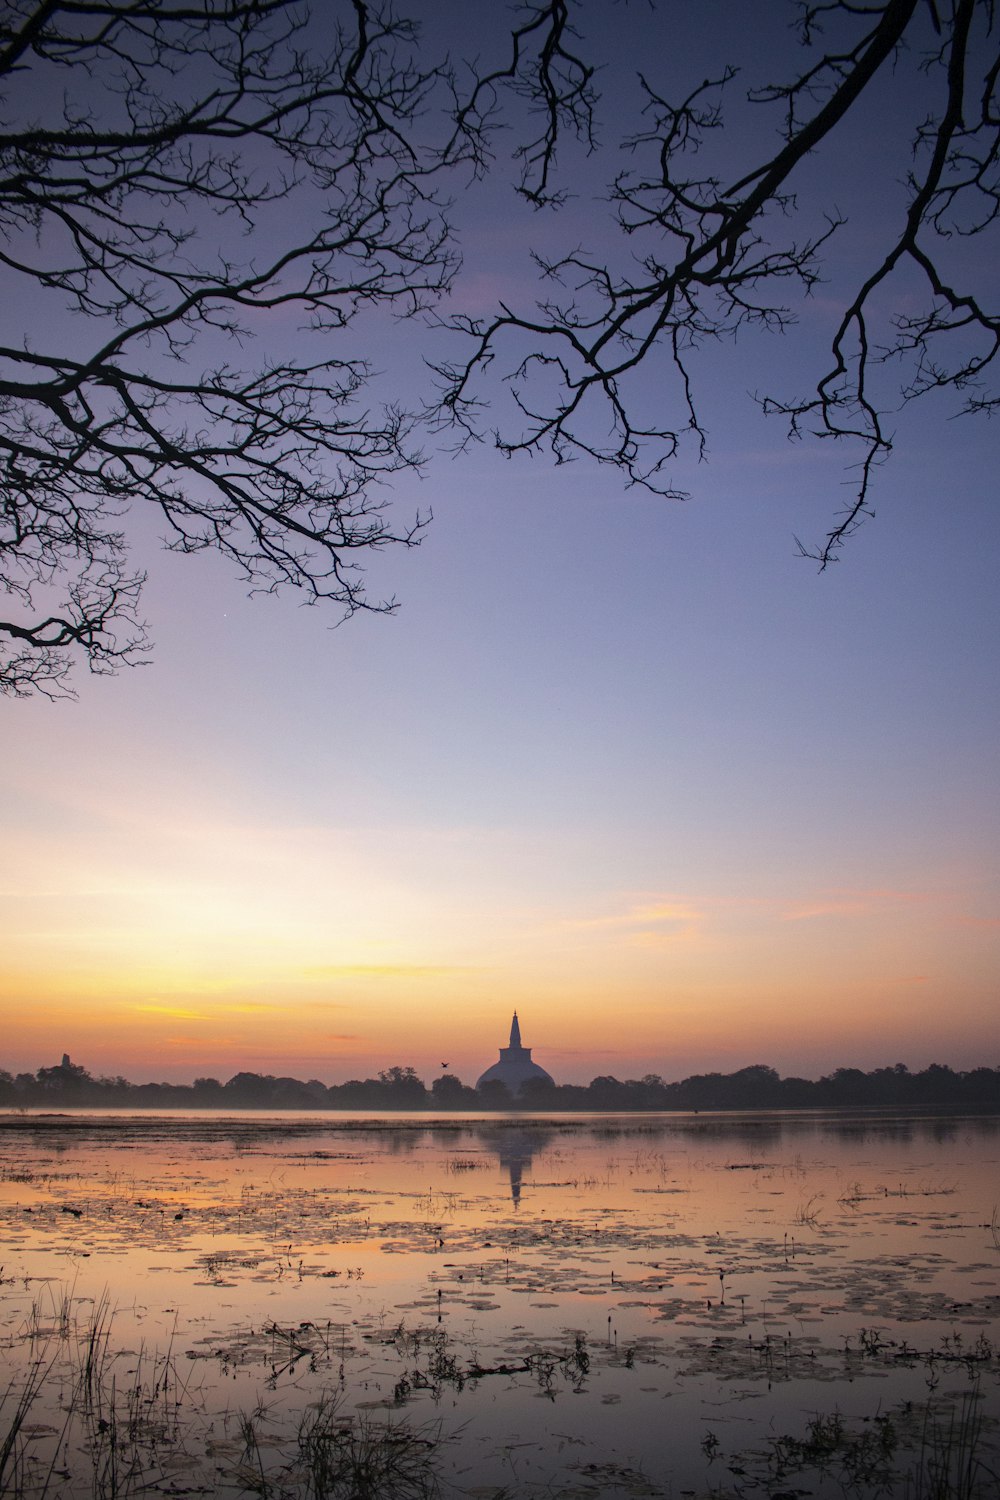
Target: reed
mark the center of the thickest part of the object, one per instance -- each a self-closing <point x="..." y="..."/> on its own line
<point x="355" y="1458"/>
<point x="952" y="1462"/>
<point x="15" y="1404"/>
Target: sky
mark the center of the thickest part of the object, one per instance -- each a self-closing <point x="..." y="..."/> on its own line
<point x="629" y="766"/>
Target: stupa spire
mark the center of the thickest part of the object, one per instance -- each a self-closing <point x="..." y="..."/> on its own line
<point x="514" y="1067"/>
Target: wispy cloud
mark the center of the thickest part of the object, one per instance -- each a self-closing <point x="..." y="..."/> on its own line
<point x="656" y="911"/>
<point x="588" y="1052"/>
<point x="851" y="903"/>
<point x="648" y="923"/>
<point x="388" y="971"/>
<point x="219" y="1011"/>
<point x="174" y="1012"/>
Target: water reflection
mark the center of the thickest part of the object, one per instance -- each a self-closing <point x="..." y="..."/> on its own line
<point x="516" y="1147"/>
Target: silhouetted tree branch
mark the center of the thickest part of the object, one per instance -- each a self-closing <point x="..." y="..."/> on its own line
<point x="544" y="71"/>
<point x="180" y="181"/>
<point x="184" y="177"/>
<point x="712" y="255"/>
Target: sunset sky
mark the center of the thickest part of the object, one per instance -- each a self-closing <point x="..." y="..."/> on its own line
<point x="629" y="766"/>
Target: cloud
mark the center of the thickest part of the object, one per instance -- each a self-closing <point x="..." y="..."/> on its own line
<point x="218" y="1012"/>
<point x="175" y="1012"/>
<point x="388" y="971"/>
<point x="658" y="937"/>
<point x="658" y="911"/>
<point x="851" y="904"/>
<point x="651" y="923"/>
<point x="587" y="1052"/>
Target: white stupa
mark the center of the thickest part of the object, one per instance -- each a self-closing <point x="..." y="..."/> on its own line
<point x="514" y="1067"/>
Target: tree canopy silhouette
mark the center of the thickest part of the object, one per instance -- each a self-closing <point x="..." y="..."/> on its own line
<point x="399" y="1088"/>
<point x="183" y="183"/>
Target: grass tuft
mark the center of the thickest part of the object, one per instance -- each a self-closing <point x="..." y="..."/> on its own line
<point x="355" y="1458"/>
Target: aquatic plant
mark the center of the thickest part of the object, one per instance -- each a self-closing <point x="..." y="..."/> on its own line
<point x="807" y="1213"/>
<point x="94" y="1350"/>
<point x="355" y="1458"/>
<point x="15" y="1404"/>
<point x="952" y="1462"/>
<point x="861" y="1459"/>
<point x="937" y="1453"/>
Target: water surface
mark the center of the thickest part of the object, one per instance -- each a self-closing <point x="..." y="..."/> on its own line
<point x="641" y="1305"/>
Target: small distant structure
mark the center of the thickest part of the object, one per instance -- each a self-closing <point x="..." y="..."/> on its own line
<point x="514" y="1067"/>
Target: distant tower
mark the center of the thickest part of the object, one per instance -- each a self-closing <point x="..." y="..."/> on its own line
<point x="514" y="1067"/>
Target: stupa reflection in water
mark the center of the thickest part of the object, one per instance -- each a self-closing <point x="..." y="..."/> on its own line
<point x="514" y="1067"/>
<point x="516" y="1146"/>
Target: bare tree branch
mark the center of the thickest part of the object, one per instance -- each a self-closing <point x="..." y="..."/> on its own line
<point x="554" y="82"/>
<point x="712" y="259"/>
<point x="184" y="176"/>
<point x="179" y="181"/>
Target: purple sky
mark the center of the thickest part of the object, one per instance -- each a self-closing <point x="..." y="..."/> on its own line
<point x="629" y="765"/>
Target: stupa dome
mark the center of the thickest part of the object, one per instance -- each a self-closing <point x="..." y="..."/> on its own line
<point x="514" y="1067"/>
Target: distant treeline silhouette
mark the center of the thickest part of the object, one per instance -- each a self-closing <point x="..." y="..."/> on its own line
<point x="68" y="1085"/>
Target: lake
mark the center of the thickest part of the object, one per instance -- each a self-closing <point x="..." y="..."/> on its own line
<point x="569" y="1306"/>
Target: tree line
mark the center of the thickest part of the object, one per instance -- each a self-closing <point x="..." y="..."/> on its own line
<point x="68" y="1085"/>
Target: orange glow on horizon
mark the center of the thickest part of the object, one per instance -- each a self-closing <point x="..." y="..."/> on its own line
<point x="156" y="945"/>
